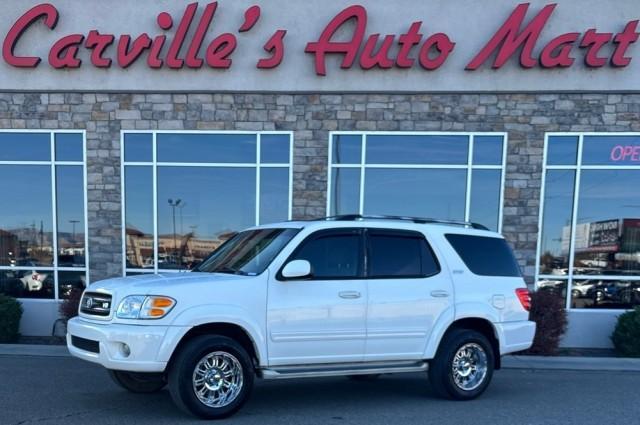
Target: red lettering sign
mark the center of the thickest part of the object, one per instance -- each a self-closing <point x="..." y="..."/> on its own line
<point x="621" y="153"/>
<point x="186" y="45"/>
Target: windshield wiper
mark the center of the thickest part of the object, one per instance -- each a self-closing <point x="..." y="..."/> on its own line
<point x="230" y="270"/>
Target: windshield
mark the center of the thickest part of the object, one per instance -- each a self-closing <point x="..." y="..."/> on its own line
<point x="247" y="253"/>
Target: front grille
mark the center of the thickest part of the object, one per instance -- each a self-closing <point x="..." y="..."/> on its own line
<point x="85" y="344"/>
<point x="96" y="304"/>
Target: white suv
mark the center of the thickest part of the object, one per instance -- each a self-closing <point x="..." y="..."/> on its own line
<point x="349" y="295"/>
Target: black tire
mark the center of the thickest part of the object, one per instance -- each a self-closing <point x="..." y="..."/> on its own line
<point x="182" y="370"/>
<point x="364" y="378"/>
<point x="441" y="375"/>
<point x="136" y="382"/>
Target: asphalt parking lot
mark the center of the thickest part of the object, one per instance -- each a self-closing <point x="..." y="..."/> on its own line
<point x="49" y="390"/>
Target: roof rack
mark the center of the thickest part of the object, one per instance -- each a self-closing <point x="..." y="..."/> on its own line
<point x="418" y="220"/>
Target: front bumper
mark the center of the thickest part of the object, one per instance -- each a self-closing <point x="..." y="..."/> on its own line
<point x="146" y="344"/>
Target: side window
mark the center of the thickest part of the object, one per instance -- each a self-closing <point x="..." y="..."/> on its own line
<point x="485" y="256"/>
<point x="333" y="254"/>
<point x="399" y="254"/>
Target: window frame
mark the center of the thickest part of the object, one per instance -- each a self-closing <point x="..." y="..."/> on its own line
<point x="400" y="233"/>
<point x="578" y="167"/>
<point x="359" y="231"/>
<point x="52" y="163"/>
<point x="154" y="164"/>
<point x="469" y="167"/>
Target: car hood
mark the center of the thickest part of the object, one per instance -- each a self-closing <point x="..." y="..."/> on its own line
<point x="169" y="284"/>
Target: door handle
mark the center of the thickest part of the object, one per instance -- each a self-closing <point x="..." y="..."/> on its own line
<point x="439" y="294"/>
<point x="349" y="294"/>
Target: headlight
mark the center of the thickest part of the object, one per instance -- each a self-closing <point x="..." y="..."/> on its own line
<point x="141" y="307"/>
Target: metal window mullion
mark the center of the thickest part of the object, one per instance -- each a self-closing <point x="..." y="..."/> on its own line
<point x="290" y="208"/>
<point x="330" y="168"/>
<point x="467" y="199"/>
<point x="363" y="160"/>
<point x="541" y="209"/>
<point x="503" y="179"/>
<point x="54" y="215"/>
<point x="85" y="193"/>
<point x="156" y="248"/>
<point x="257" y="168"/>
<point x="123" y="205"/>
<point x="574" y="219"/>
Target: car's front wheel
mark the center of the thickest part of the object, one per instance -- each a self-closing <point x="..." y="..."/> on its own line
<point x="136" y="382"/>
<point x="211" y="377"/>
<point x="463" y="366"/>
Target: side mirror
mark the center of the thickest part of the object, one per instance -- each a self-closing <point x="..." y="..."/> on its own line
<point x="297" y="269"/>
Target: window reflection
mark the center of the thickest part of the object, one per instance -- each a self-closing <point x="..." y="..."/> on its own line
<point x="25" y="146"/>
<point x="212" y="148"/>
<point x="557" y="287"/>
<point x="420" y="193"/>
<point x="487" y="150"/>
<point x="70" y="215"/>
<point x="139" y="216"/>
<point x="205" y="200"/>
<point x="347" y="149"/>
<point x="417" y="149"/>
<point x="68" y="147"/>
<point x="608" y="227"/>
<point x="274" y="195"/>
<point x="199" y="208"/>
<point x="562" y="150"/>
<point x="605" y="294"/>
<point x="556" y="222"/>
<point x="345" y="191"/>
<point x="274" y="148"/>
<point x="611" y="150"/>
<point x="26" y="221"/>
<point x="27" y="283"/>
<point x="70" y="281"/>
<point x="485" y="197"/>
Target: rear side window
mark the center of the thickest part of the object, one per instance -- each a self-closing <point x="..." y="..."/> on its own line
<point x="333" y="254"/>
<point x="485" y="256"/>
<point x="399" y="254"/>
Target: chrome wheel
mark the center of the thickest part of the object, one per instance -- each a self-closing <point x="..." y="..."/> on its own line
<point x="469" y="366"/>
<point x="217" y="379"/>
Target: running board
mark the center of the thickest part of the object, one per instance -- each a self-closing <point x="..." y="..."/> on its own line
<point x="342" y="369"/>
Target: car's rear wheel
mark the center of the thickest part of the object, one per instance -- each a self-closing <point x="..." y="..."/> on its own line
<point x="137" y="382"/>
<point x="211" y="377"/>
<point x="463" y="366"/>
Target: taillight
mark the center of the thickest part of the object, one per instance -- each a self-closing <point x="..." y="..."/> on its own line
<point x="525" y="298"/>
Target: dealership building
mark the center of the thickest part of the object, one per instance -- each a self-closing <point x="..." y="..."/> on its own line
<point x="135" y="137"/>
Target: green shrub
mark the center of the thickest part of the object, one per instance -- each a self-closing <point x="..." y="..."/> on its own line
<point x="10" y="314"/>
<point x="626" y="335"/>
<point x="548" y="311"/>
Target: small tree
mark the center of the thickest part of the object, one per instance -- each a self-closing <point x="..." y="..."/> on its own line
<point x="10" y="315"/>
<point x="548" y="311"/>
<point x="626" y="335"/>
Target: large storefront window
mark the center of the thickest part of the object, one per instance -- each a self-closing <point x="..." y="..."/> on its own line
<point x="456" y="176"/>
<point x="43" y="236"/>
<point x="185" y="193"/>
<point x="589" y="247"/>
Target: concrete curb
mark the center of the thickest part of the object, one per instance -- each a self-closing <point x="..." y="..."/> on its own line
<point x="606" y="364"/>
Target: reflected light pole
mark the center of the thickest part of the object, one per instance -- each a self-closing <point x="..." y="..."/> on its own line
<point x="73" y="233"/>
<point x="173" y="204"/>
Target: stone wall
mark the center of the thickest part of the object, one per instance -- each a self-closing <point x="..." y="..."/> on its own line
<point x="525" y="117"/>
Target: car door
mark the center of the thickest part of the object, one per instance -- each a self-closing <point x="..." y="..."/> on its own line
<point x="321" y="318"/>
<point x="407" y="293"/>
